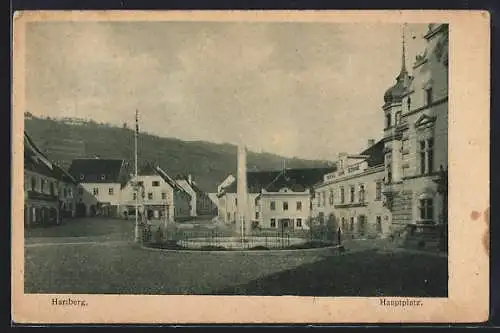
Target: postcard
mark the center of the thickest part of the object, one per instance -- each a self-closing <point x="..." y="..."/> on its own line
<point x="250" y="167"/>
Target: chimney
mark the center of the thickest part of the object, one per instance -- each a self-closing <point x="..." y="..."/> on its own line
<point x="371" y="142"/>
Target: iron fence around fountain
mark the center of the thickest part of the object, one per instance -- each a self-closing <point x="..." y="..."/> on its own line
<point x="225" y="239"/>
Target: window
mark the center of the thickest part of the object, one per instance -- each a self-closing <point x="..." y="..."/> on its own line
<point x="111" y="191"/>
<point x="299" y="223"/>
<point x="42" y="185"/>
<point x="378" y="225"/>
<point x="273" y="223"/>
<point x="134" y="196"/>
<point x="378" y="190"/>
<point x="323" y="196"/>
<point x="256" y="215"/>
<point x="82" y="177"/>
<point x="65" y="192"/>
<point x="352" y="194"/>
<point x="272" y="205"/>
<point x="285" y="205"/>
<point x="236" y="201"/>
<point x="299" y="205"/>
<point x="51" y="187"/>
<point x="361" y="193"/>
<point x="387" y="120"/>
<point x="343" y="223"/>
<point x="342" y="195"/>
<point x="426" y="209"/>
<point x="398" y="117"/>
<point x="318" y="196"/>
<point x="321" y="217"/>
<point x="351" y="224"/>
<point x="426" y="156"/>
<point x="156" y="183"/>
<point x="80" y="191"/>
<point x="430" y="155"/>
<point x="331" y="198"/>
<point x="163" y="196"/>
<point x="361" y="225"/>
<point x="33" y="183"/>
<point x="150" y="196"/>
<point x="428" y="96"/>
<point x="228" y="216"/>
<point x="95" y="191"/>
<point x="103" y="177"/>
<point x="70" y="192"/>
<point x="140" y="183"/>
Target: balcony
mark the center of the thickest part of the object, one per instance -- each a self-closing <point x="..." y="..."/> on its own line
<point x="351" y="204"/>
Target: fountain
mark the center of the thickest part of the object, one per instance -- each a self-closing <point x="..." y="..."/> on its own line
<point x="242" y="237"/>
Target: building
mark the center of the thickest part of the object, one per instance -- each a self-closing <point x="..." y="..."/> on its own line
<point x="277" y="199"/>
<point x="100" y="185"/>
<point x="351" y="196"/>
<point x="201" y="204"/>
<point x="160" y="196"/>
<point x="49" y="189"/>
<point x="416" y="137"/>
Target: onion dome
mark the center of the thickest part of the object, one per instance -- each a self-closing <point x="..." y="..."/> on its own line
<point x="395" y="93"/>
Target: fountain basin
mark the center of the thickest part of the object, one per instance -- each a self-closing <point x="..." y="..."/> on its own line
<point x="238" y="243"/>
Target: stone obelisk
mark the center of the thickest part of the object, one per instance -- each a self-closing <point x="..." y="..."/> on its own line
<point x="243" y="223"/>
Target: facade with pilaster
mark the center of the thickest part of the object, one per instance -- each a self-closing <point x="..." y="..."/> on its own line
<point x="416" y="137"/>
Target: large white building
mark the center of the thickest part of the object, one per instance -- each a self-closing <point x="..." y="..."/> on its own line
<point x="100" y="184"/>
<point x="416" y="137"/>
<point x="277" y="199"/>
<point x="399" y="184"/>
<point x="160" y="195"/>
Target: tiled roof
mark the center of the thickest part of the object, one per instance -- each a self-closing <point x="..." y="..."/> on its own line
<point x="375" y="154"/>
<point x="97" y="170"/>
<point x="147" y="170"/>
<point x="295" y="179"/>
<point x="36" y="161"/>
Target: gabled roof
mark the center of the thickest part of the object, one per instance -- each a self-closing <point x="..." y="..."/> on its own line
<point x="375" y="154"/>
<point x="191" y="183"/>
<point x="148" y="170"/>
<point x="169" y="180"/>
<point x="273" y="181"/>
<point x="97" y="170"/>
<point x="36" y="161"/>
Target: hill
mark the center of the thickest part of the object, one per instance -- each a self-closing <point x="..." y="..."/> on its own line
<point x="208" y="163"/>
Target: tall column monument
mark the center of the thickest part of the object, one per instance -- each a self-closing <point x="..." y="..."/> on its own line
<point x="243" y="217"/>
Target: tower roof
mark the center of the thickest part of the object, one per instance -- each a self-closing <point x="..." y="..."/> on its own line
<point x="395" y="93"/>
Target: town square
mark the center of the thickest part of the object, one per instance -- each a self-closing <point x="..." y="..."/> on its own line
<point x="297" y="199"/>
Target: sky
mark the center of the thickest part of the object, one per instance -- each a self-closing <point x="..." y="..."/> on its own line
<point x="308" y="90"/>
